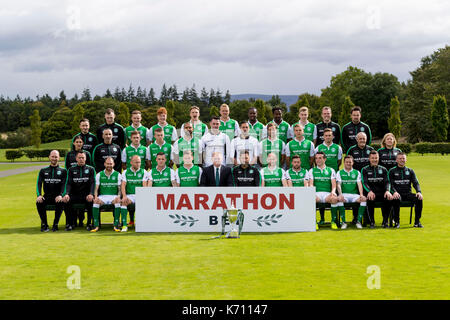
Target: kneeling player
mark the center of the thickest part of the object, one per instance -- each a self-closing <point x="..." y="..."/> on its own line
<point x="107" y="191"/>
<point x="324" y="179"/>
<point x="350" y="190"/>
<point x="133" y="177"/>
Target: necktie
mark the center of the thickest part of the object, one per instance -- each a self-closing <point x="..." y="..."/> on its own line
<point x="217" y="177"/>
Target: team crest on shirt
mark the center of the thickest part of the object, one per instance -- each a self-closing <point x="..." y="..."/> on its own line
<point x="362" y="129"/>
<point x="58" y="173"/>
<point x="308" y="129"/>
<point x="113" y="178"/>
<point x="165" y="174"/>
<point x="166" y="130"/>
<point x="282" y="129"/>
<point x="115" y="149"/>
<point x="251" y="171"/>
<point x="395" y="154"/>
<point x="368" y="151"/>
<point x="86" y="171"/>
<point x="194" y="172"/>
<point x="407" y="173"/>
<point x="353" y="176"/>
<point x="165" y="148"/>
<point x="333" y="149"/>
<point x="380" y="171"/>
<point x="90" y="139"/>
<point x="229" y="125"/>
<point x="139" y="175"/>
<point x="141" y="151"/>
<point x="301" y="174"/>
<point x="116" y="130"/>
<point x="334" y="129"/>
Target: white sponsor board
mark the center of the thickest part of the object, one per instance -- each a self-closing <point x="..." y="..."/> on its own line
<point x="200" y="209"/>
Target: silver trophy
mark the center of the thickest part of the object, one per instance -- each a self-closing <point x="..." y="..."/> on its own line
<point x="234" y="215"/>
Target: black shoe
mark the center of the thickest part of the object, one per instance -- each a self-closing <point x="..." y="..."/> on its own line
<point x="80" y="224"/>
<point x="354" y="221"/>
<point x="69" y="227"/>
<point x="89" y="227"/>
<point x="385" y="225"/>
<point x="55" y="228"/>
<point x="397" y="225"/>
<point x="372" y="225"/>
<point x="45" y="228"/>
<point x="418" y="225"/>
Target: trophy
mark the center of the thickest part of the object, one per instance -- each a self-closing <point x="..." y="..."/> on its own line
<point x="234" y="215"/>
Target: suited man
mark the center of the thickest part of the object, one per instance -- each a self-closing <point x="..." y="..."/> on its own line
<point x="216" y="175"/>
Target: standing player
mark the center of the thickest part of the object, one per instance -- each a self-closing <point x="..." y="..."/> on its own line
<point x="227" y="125"/>
<point x="245" y="175"/>
<point x="89" y="139"/>
<point x="401" y="178"/>
<point x="187" y="142"/>
<point x="271" y="145"/>
<point x="116" y="129"/>
<point x="360" y="152"/>
<point x="327" y="123"/>
<point x="199" y="128"/>
<point x="376" y="185"/>
<point x="107" y="191"/>
<point x="215" y="141"/>
<point x="351" y="129"/>
<point x="332" y="150"/>
<point x="52" y="181"/>
<point x="136" y="118"/>
<point x="188" y="174"/>
<point x="310" y="130"/>
<point x="244" y="142"/>
<point x="161" y="175"/>
<point x="105" y="150"/>
<point x="170" y="133"/>
<point x="300" y="147"/>
<point x="324" y="179"/>
<point x="272" y="175"/>
<point x="350" y="190"/>
<point x="160" y="145"/>
<point x="297" y="176"/>
<point x="71" y="160"/>
<point x="135" y="148"/>
<point x="80" y="189"/>
<point x="133" y="177"/>
<point x="257" y="129"/>
<point x="281" y="125"/>
<point x="388" y="151"/>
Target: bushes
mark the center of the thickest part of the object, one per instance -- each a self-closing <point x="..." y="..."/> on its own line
<point x="405" y="147"/>
<point x="13" y="154"/>
<point x="32" y="153"/>
<point x="428" y="147"/>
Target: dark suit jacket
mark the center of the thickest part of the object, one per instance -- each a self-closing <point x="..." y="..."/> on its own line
<point x="208" y="179"/>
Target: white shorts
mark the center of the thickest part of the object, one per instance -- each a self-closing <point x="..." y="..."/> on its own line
<point x="132" y="197"/>
<point x="322" y="196"/>
<point x="352" y="198"/>
<point x="107" y="199"/>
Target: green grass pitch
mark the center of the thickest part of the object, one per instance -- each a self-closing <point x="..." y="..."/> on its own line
<point x="328" y="264"/>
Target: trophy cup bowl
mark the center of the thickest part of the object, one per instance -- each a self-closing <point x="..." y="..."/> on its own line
<point x="232" y="215"/>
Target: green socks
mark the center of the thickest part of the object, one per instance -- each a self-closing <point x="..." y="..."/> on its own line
<point x="96" y="215"/>
<point x="361" y="211"/>
<point x="342" y="213"/>
<point x="116" y="216"/>
<point x="124" y="212"/>
<point x="333" y="214"/>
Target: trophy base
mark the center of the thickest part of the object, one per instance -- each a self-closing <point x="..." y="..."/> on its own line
<point x="233" y="235"/>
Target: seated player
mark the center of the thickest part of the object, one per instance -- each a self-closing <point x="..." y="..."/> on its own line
<point x="350" y="190"/>
<point x="107" y="191"/>
<point x="161" y="175"/>
<point x="324" y="179"/>
<point x="188" y="174"/>
<point x="70" y="158"/>
<point x="297" y="176"/>
<point x="245" y="175"/>
<point x="272" y="175"/>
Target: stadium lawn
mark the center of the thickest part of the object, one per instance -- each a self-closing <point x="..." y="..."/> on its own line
<point x="327" y="264"/>
<point x="62" y="144"/>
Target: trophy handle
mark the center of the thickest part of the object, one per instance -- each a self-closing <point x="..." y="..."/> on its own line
<point x="241" y="220"/>
<point x="224" y="221"/>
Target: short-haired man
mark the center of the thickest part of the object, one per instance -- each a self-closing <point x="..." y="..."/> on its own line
<point x="170" y="133"/>
<point x="188" y="174"/>
<point x="310" y="130"/>
<point x="132" y="178"/>
<point x="245" y="174"/>
<point x="135" y="148"/>
<point x="326" y="123"/>
<point x="217" y="174"/>
<point x="281" y="125"/>
<point x="376" y="185"/>
<point x="52" y="181"/>
<point x="271" y="145"/>
<point x="300" y="146"/>
<point x="257" y="129"/>
<point x="199" y="128"/>
<point x="331" y="149"/>
<point x="351" y="129"/>
<point x="244" y="142"/>
<point x="215" y="141"/>
<point x="324" y="179"/>
<point x="350" y="190"/>
<point x="80" y="189"/>
<point x="107" y="191"/>
<point x="105" y="150"/>
<point x="89" y="139"/>
<point x="159" y="145"/>
<point x="297" y="176"/>
<point x="227" y="125"/>
<point x="116" y="129"/>
<point x="161" y="175"/>
<point x="360" y="152"/>
<point x="401" y="178"/>
<point x="136" y="118"/>
<point x="272" y="175"/>
<point x="187" y="142"/>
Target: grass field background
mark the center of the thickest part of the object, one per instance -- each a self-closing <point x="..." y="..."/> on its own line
<point x="62" y="144"/>
<point x="327" y="264"/>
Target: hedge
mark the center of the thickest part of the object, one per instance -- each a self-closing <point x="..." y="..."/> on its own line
<point x="429" y="147"/>
<point x="32" y="153"/>
<point x="13" y="154"/>
<point x="405" y="147"/>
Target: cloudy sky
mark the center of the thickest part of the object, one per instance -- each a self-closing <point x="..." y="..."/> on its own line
<point x="269" y="47"/>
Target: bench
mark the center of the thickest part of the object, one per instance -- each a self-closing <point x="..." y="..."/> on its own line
<point x="352" y="205"/>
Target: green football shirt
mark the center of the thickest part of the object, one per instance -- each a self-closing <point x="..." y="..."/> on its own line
<point x="304" y="149"/>
<point x="170" y="133"/>
<point x="297" y="177"/>
<point x="189" y="177"/>
<point x="256" y="130"/>
<point x="153" y="150"/>
<point x="268" y="146"/>
<point x="108" y="185"/>
<point x="131" y="151"/>
<point x="133" y="179"/>
<point x="230" y="128"/>
<point x="141" y="129"/>
<point x="349" y="180"/>
<point x="282" y="130"/>
<point x="272" y="178"/>
<point x="333" y="153"/>
<point x="161" y="178"/>
<point x="309" y="131"/>
<point x="193" y="145"/>
<point x="322" y="178"/>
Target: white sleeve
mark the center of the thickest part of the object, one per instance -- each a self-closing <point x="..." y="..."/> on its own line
<point x="175" y="147"/>
<point x="147" y="154"/>
<point x="237" y="130"/>
<point x="174" y="134"/>
<point x="333" y="173"/>
<point x="290" y="133"/>
<point x="339" y="153"/>
<point x="124" y="156"/>
<point x="173" y="175"/>
<point x="261" y="174"/>
<point x="150" y="134"/>
<point x="287" y="176"/>
<point x="177" y="177"/>
<point x="149" y="176"/>
<point x="182" y="131"/>
<point x="227" y="149"/>
<point x="283" y="148"/>
<point x="264" y="133"/>
<point x="306" y="176"/>
<point x="119" y="179"/>
<point x="315" y="132"/>
<point x="312" y="151"/>
<point x="123" y="176"/>
<point x="283" y="174"/>
<point x="338" y="177"/>
<point x="97" y="179"/>
<point x="200" y="175"/>
<point x="255" y="148"/>
<point x="259" y="148"/>
<point x="287" y="152"/>
<point x="358" y="179"/>
<point x="310" y="175"/>
<point x="232" y="148"/>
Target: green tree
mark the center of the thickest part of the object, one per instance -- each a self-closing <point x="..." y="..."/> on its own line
<point x="78" y="114"/>
<point x="36" y="129"/>
<point x="123" y="115"/>
<point x="261" y="108"/>
<point x="214" y="111"/>
<point x="394" y="122"/>
<point x="344" y="116"/>
<point x="439" y="118"/>
<point x="170" y="106"/>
